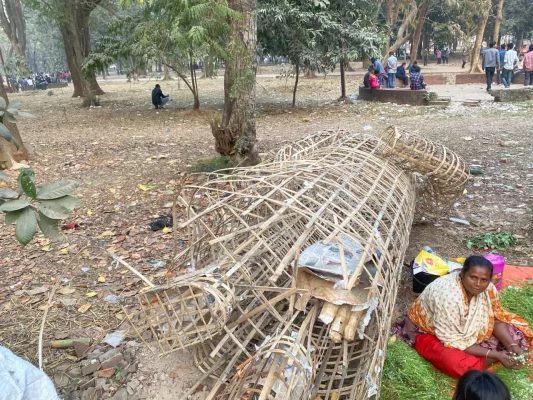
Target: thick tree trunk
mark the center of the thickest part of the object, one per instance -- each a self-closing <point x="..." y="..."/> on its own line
<point x="8" y="151"/>
<point x="422" y="13"/>
<point x="209" y="67"/>
<point x="166" y="76"/>
<point x="499" y="17"/>
<point x="235" y="134"/>
<point x="475" y="67"/>
<point x="74" y="27"/>
<point x="14" y="24"/>
<point x="297" y="67"/>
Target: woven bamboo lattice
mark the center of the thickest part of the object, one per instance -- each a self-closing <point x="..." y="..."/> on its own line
<point x="188" y="311"/>
<point x="255" y="228"/>
<point x="445" y="173"/>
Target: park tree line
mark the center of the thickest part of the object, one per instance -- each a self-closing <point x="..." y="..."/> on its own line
<point x="87" y="36"/>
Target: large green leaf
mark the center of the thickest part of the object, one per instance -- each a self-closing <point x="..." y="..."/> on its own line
<point x="25" y="183"/>
<point x="53" y="210"/>
<point x="15" y="104"/>
<point x="8" y="117"/>
<point x="56" y="190"/>
<point x="68" y="202"/>
<point x="12" y="216"/>
<point x="25" y="114"/>
<point x="2" y="103"/>
<point x="4" y="176"/>
<point x="14" y="205"/>
<point x="4" y="132"/>
<point x="49" y="227"/>
<point x="12" y="111"/>
<point x="26" y="226"/>
<point x="6" y="193"/>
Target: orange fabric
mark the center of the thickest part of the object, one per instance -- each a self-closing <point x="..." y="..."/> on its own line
<point x="516" y="275"/>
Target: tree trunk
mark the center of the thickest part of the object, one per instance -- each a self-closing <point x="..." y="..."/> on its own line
<point x="209" y="67"/>
<point x="166" y="76"/>
<point x="422" y="13"/>
<point x="14" y="24"/>
<point x="296" y="84"/>
<point x="343" y="82"/>
<point x="498" y="22"/>
<point x="403" y="32"/>
<point x="8" y="151"/>
<point x="235" y="133"/>
<point x="74" y="27"/>
<point x="475" y="67"/>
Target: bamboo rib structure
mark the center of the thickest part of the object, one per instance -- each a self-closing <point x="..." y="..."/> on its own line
<point x="296" y="263"/>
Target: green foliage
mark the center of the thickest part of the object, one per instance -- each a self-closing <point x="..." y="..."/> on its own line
<point x="491" y="240"/>
<point x="31" y="206"/>
<point x="212" y="164"/>
<point x="407" y="376"/>
<point x="16" y="66"/>
<point x="9" y="113"/>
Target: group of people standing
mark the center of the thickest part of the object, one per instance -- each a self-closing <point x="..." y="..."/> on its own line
<point x="506" y="63"/>
<point x="377" y="74"/>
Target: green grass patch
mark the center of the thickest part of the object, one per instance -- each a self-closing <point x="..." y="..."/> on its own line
<point x="407" y="376"/>
<point x="212" y="164"/>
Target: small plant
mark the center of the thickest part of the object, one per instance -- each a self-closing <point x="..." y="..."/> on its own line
<point x="286" y="73"/>
<point x="431" y="96"/>
<point x="32" y="206"/>
<point x="50" y="93"/>
<point x="212" y="164"/>
<point x="491" y="240"/>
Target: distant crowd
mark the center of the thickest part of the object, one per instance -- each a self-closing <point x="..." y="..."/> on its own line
<point x="378" y="75"/>
<point x="39" y="80"/>
<point x="506" y="64"/>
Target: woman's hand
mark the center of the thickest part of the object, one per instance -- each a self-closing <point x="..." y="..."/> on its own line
<point x="515" y="348"/>
<point x="505" y="359"/>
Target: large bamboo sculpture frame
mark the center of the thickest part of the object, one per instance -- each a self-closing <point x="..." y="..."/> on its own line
<point x="247" y="232"/>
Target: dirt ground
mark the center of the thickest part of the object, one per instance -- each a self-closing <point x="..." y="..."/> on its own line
<point x="125" y="143"/>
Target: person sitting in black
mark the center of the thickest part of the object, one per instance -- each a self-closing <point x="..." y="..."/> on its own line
<point x="400" y="74"/>
<point x="158" y="98"/>
<point x="366" y="80"/>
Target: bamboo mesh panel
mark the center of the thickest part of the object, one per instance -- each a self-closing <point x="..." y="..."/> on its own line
<point x="445" y="173"/>
<point x="188" y="311"/>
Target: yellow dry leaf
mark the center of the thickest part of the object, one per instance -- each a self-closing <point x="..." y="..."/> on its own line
<point x="149" y="159"/>
<point x="90" y="212"/>
<point x="121" y="316"/>
<point x="113" y="190"/>
<point x="124" y="271"/>
<point x="83" y="309"/>
<point x="71" y="358"/>
<point x="144" y="188"/>
<point x="101" y="279"/>
<point x="91" y="294"/>
<point x="64" y="251"/>
<point x="108" y="233"/>
<point x="46" y="248"/>
<point x="166" y="229"/>
<point x="144" y="289"/>
<point x="42" y="308"/>
<point x="66" y="290"/>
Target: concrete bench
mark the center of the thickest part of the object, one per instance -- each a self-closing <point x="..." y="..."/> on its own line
<point x="515" y="94"/>
<point x="398" y="96"/>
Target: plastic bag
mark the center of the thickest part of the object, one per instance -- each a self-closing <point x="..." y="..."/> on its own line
<point x="433" y="264"/>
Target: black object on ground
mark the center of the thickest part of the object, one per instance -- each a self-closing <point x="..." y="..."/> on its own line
<point x="162" y="222"/>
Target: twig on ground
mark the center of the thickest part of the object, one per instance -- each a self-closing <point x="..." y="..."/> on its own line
<point x="41" y="331"/>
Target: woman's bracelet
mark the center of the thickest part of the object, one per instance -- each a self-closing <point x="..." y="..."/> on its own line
<point x="487" y="355"/>
<point x="511" y="345"/>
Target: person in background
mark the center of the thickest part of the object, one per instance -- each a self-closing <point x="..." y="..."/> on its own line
<point x="528" y="67"/>
<point x="417" y="79"/>
<point x="464" y="58"/>
<point x="491" y="62"/>
<point x="439" y="56"/>
<point x="412" y="67"/>
<point x="481" y="385"/>
<point x="502" y="58"/>
<point x="519" y="69"/>
<point x="402" y="75"/>
<point x="158" y="98"/>
<point x="366" y="79"/>
<point x="510" y="61"/>
<point x="524" y="49"/>
<point x="392" y="65"/>
<point x="379" y="70"/>
<point x="425" y="55"/>
<point x="446" y="56"/>
<point x="374" y="81"/>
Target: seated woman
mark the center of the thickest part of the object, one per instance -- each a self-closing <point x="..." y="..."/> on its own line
<point x="458" y="323"/>
<point x="373" y="80"/>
